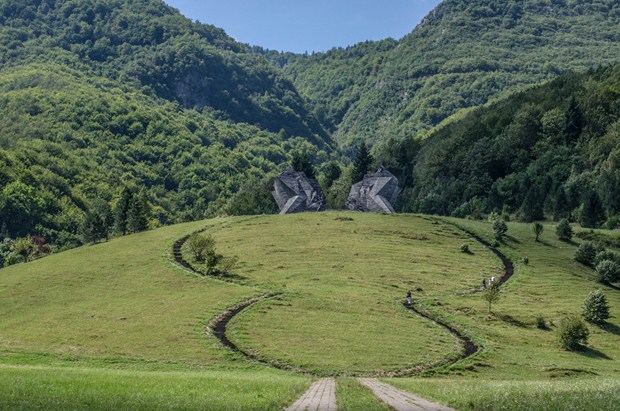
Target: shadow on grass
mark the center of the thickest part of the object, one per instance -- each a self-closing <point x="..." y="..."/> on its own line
<point x="570" y="242"/>
<point x="512" y="239"/>
<point x="593" y="353"/>
<point x="546" y="244"/>
<point x="507" y="318"/>
<point x="611" y="328"/>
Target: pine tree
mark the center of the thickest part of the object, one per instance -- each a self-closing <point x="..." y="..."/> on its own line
<point x="532" y="207"/>
<point x="301" y="163"/>
<point x="562" y="207"/>
<point x="595" y="307"/>
<point x="139" y="213"/>
<point x="573" y="122"/>
<point x="592" y="213"/>
<point x="121" y="211"/>
<point x="361" y="165"/>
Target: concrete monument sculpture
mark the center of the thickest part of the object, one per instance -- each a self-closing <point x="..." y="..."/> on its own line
<point x="376" y="193"/>
<point x="296" y="193"/>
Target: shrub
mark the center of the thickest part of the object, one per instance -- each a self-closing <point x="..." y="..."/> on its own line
<point x="586" y="253"/>
<point x="201" y="246"/>
<point x="572" y="333"/>
<point x="492" y="294"/>
<point x="564" y="230"/>
<point x="465" y="248"/>
<point x="595" y="307"/>
<point x="499" y="229"/>
<point x="606" y="255"/>
<point x="538" y="230"/>
<point x="607" y="272"/>
<point x="525" y="260"/>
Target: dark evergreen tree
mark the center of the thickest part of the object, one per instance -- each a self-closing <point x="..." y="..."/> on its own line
<point x="532" y="207"/>
<point x="561" y="208"/>
<point x="302" y="163"/>
<point x="592" y="213"/>
<point x="573" y="122"/>
<point x="332" y="173"/>
<point x="96" y="223"/>
<point x="139" y="213"/>
<point x="361" y="165"/>
<point x="121" y="211"/>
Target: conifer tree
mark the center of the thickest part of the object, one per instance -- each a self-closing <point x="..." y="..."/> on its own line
<point x="302" y="163"/>
<point x="121" y="211"/>
<point x="595" y="307"/>
<point x="361" y="165"/>
<point x="139" y="213"/>
<point x="573" y="122"/>
<point x="532" y="207"/>
<point x="592" y="213"/>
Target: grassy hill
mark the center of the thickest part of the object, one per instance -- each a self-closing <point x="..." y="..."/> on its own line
<point x="95" y="318"/>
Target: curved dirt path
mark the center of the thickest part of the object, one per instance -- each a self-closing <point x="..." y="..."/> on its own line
<point x="321" y="396"/>
<point x="398" y="399"/>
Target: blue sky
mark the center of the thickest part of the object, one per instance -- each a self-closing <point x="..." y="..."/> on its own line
<point x="308" y="25"/>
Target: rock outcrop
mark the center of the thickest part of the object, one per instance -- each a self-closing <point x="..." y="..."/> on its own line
<point x="376" y="193"/>
<point x="296" y="193"/>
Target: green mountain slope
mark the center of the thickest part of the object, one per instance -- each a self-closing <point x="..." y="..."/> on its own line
<point x="462" y="55"/>
<point x="552" y="150"/>
<point x="150" y="45"/>
<point x="100" y="94"/>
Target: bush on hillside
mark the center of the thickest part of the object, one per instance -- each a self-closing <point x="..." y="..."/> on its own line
<point x="607" y="272"/>
<point x="606" y="255"/>
<point x="499" y="229"/>
<point x="586" y="253"/>
<point x="465" y="248"/>
<point x="595" y="307"/>
<point x="572" y="333"/>
<point x="564" y="230"/>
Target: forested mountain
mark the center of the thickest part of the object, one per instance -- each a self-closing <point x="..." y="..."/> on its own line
<point x="148" y="44"/>
<point x="99" y="95"/>
<point x="550" y="151"/>
<point x="463" y="54"/>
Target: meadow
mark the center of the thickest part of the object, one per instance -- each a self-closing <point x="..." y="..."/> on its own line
<point x="118" y="325"/>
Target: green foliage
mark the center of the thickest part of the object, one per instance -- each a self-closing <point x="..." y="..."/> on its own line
<point x="201" y="246"/>
<point x="592" y="212"/>
<point x="499" y="229"/>
<point x="253" y="198"/>
<point x="586" y="253"/>
<point x="361" y="164"/>
<point x="564" y="231"/>
<point x="21" y="208"/>
<point x="492" y="294"/>
<point x="595" y="307"/>
<point x="606" y="255"/>
<point x="572" y="333"/>
<point x="538" y="230"/>
<point x="24" y="247"/>
<point x="608" y="272"/>
<point x="302" y="163"/>
<point x="398" y="89"/>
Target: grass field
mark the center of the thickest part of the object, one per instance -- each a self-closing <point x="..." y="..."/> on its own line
<point x="117" y="325"/>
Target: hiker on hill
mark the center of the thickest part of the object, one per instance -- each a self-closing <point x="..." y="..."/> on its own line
<point x="409" y="300"/>
<point x="484" y="283"/>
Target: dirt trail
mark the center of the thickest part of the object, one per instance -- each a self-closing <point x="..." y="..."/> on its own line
<point x="321" y="396"/>
<point x="398" y="399"/>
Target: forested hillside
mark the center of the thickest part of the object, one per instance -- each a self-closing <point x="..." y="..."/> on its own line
<point x="98" y="97"/>
<point x="552" y="151"/>
<point x="150" y="45"/>
<point x="463" y="54"/>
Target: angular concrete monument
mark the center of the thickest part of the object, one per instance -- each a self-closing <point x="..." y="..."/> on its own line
<point x="296" y="193"/>
<point x="376" y="193"/>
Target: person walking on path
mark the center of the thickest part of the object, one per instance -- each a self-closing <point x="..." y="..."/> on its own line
<point x="484" y="283"/>
<point x="409" y="300"/>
